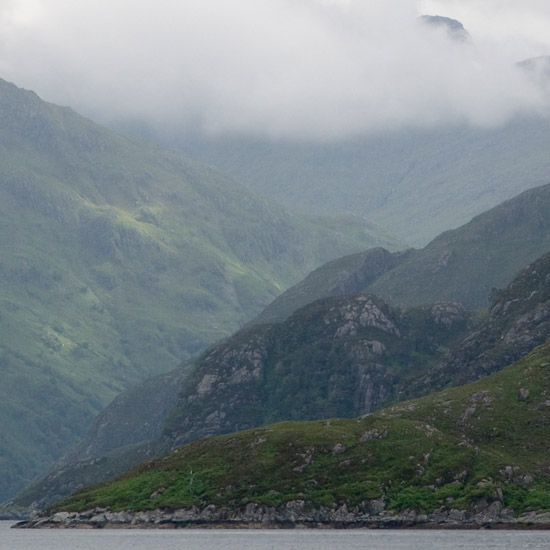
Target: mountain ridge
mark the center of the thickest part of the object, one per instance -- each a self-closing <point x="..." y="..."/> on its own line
<point x="119" y="260"/>
<point x="464" y="265"/>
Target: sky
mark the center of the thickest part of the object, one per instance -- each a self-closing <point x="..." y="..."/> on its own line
<point x="313" y="69"/>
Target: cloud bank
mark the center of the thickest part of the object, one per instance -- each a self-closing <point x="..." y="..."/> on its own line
<point x="317" y="69"/>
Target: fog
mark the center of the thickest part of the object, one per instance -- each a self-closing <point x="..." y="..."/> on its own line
<point x="316" y="69"/>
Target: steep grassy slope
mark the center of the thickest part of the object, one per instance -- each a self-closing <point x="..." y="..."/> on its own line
<point x="464" y="265"/>
<point x="119" y="260"/>
<point x="468" y="263"/>
<point x="347" y="275"/>
<point x="415" y="182"/>
<point x="480" y="447"/>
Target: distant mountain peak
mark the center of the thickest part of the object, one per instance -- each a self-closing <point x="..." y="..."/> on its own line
<point x="538" y="69"/>
<point x="455" y="29"/>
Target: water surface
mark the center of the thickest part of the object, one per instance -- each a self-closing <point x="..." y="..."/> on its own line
<point x="204" y="539"/>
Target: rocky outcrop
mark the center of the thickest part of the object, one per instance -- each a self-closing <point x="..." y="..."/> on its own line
<point x="335" y="357"/>
<point x="369" y="514"/>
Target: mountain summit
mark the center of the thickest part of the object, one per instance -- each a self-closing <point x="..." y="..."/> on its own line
<point x="455" y="29"/>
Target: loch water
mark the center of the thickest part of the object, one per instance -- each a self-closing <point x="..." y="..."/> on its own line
<point x="209" y="539"/>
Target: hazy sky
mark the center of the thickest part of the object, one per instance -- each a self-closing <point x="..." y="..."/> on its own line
<point x="313" y="68"/>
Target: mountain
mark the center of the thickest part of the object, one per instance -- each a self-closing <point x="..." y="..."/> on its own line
<point x="348" y="275"/>
<point x="477" y="455"/>
<point x="455" y="29"/>
<point x="350" y="355"/>
<point x="415" y="182"/>
<point x="518" y="320"/>
<point x="119" y="260"/>
<point x="463" y="265"/>
<point x="338" y="356"/>
<point x="466" y="264"/>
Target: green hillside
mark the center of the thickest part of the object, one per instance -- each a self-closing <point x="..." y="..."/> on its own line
<point x="467" y="264"/>
<point x="347" y="275"/>
<point x="118" y="260"/>
<point x="464" y="265"/>
<point x="483" y="448"/>
<point x="414" y="182"/>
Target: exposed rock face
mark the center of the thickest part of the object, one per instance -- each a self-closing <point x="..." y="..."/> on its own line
<point x="361" y="312"/>
<point x="335" y="357"/>
<point x="217" y="398"/>
<point x="455" y="29"/>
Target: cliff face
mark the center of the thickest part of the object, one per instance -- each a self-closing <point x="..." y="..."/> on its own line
<point x="339" y="356"/>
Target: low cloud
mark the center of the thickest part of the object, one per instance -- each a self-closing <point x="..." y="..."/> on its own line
<point x="318" y="69"/>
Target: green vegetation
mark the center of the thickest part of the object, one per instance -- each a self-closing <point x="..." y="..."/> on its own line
<point x="119" y="260"/>
<point x="347" y="275"/>
<point x="487" y="440"/>
<point x="340" y="356"/>
<point x="468" y="263"/>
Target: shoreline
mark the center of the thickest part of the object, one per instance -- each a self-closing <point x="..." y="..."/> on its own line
<point x="293" y="515"/>
<point x="366" y="527"/>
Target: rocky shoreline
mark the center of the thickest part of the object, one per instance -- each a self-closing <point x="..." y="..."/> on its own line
<point x="295" y="514"/>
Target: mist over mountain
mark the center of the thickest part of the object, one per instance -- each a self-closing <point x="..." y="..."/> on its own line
<point x="313" y="69"/>
<point x="454" y="28"/>
<point x="415" y="183"/>
<point x="327" y="106"/>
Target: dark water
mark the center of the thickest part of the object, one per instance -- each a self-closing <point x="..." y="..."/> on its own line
<point x="113" y="539"/>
